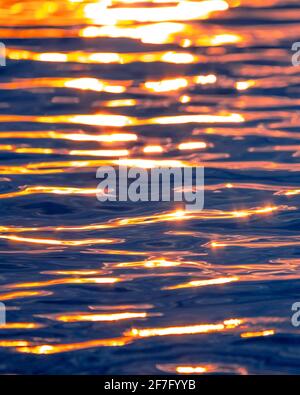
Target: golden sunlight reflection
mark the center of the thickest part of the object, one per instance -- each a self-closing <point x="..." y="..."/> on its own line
<point x="182" y="119"/>
<point x="62" y="281"/>
<point x="267" y="332"/>
<point x="103" y="138"/>
<point x="69" y="243"/>
<point x="153" y="149"/>
<point x="55" y="190"/>
<point x="121" y="103"/>
<point x="22" y="294"/>
<point x="21" y="325"/>
<point x="127" y="338"/>
<point x="148" y="84"/>
<point x="178" y="215"/>
<point x="243" y="85"/>
<point x="202" y="368"/>
<point x="103" y="57"/>
<point x="90" y="317"/>
<point x="120" y="121"/>
<point x="150" y="264"/>
<point x="203" y="283"/>
<point x="28" y="347"/>
<point x="83" y="83"/>
<point x="152" y="33"/>
<point x="191" y="370"/>
<point x="14" y="343"/>
<point x="257" y="242"/>
<point x="47" y="151"/>
<point x="184" y="330"/>
<point x="166" y="85"/>
<point x="192" y="145"/>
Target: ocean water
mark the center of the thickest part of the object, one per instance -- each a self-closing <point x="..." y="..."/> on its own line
<point x="149" y="288"/>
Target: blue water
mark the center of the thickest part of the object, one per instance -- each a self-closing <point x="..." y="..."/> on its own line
<point x="77" y="304"/>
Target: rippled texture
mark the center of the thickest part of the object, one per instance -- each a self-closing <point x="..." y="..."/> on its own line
<point x="145" y="288"/>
